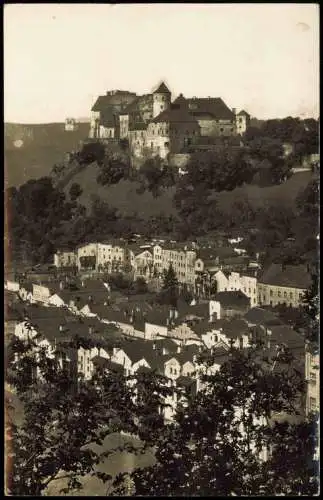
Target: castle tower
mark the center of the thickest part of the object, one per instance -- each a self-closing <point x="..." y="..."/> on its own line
<point x="161" y="99"/>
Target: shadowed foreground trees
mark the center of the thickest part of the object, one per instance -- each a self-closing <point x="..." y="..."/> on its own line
<point x="209" y="450"/>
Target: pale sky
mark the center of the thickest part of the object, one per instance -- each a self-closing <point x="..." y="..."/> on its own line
<point x="58" y="58"/>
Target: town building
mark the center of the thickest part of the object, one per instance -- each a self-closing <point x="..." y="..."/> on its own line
<point x="234" y="281"/>
<point x="312" y="377"/>
<point x="242" y="122"/>
<point x="283" y="284"/>
<point x="70" y="125"/>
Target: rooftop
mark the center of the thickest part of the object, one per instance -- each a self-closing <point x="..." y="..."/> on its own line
<point x="232" y="299"/>
<point x="286" y="276"/>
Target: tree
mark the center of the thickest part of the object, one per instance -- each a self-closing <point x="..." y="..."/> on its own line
<point x="62" y="420"/>
<point x="212" y="449"/>
<point x="169" y="291"/>
<point x="155" y="175"/>
<point x="91" y="152"/>
<point x="113" y="169"/>
<point x="75" y="191"/>
<point x="140" y="285"/>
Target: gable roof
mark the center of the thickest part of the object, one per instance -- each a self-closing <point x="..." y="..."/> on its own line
<point x="232" y="299"/>
<point x="286" y="276"/>
<point x="178" y="116"/>
<point x="213" y="106"/>
<point x="243" y="113"/>
<point x="162" y="89"/>
<point x="258" y="316"/>
<point x="118" y="99"/>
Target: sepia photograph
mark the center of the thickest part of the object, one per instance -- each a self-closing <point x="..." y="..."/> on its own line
<point x="161" y="249"/>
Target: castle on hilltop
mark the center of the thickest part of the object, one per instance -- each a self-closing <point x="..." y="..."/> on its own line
<point x="155" y="125"/>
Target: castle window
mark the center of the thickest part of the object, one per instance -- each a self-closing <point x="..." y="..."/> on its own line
<point x="152" y="145"/>
<point x="221" y="129"/>
<point x="161" y="107"/>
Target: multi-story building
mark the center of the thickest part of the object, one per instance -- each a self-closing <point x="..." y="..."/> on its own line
<point x="155" y="126"/>
<point x="312" y="376"/>
<point x="234" y="281"/>
<point x="65" y="258"/>
<point x="180" y="257"/>
<point x="104" y="121"/>
<point x="101" y="256"/>
<point x="283" y="284"/>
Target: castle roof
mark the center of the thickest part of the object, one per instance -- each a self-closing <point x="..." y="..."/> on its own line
<point x="243" y="113"/>
<point x="175" y="115"/>
<point x="206" y="106"/>
<point x="118" y="99"/>
<point x="162" y="89"/>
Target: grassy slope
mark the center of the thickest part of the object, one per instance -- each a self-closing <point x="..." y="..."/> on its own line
<point x="43" y="146"/>
<point x="124" y="196"/>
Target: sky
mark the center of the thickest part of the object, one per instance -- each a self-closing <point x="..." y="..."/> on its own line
<point x="58" y="58"/>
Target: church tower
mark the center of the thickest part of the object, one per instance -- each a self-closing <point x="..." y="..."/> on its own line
<point x="161" y="99"/>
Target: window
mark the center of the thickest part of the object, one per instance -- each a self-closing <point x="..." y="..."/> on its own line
<point x="291" y="295"/>
<point x="279" y="293"/>
<point x="313" y="377"/>
<point x="285" y="295"/>
<point x="271" y="293"/>
<point x="312" y="404"/>
<point x="171" y="370"/>
<point x="151" y="145"/>
<point x="221" y="129"/>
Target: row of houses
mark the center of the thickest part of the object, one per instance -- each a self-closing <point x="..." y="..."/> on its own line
<point x="201" y="270"/>
<point x="154" y="124"/>
<point x="161" y="339"/>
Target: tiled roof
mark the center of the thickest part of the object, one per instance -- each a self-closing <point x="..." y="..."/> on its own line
<point x="108" y="118"/>
<point x="162" y="89"/>
<point x="234" y="328"/>
<point x="285" y="334"/>
<point x="258" y="316"/>
<point x="288" y="276"/>
<point x="104" y="101"/>
<point x="232" y="299"/>
<point x="178" y="116"/>
<point x="138" y="126"/>
<point x="214" y="106"/>
<point x="213" y="253"/>
<point x="243" y="113"/>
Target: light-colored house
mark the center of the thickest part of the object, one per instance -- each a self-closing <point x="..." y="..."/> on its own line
<point x="235" y="281"/>
<point x="65" y="258"/>
<point x="312" y="376"/>
<point x="283" y="284"/>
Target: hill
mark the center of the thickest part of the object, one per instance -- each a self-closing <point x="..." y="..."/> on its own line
<point x="124" y="197"/>
<point x="31" y="150"/>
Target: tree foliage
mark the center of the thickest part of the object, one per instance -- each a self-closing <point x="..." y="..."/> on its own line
<point x="210" y="449"/>
<point x="169" y="293"/>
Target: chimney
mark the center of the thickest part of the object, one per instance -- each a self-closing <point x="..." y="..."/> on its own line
<point x="179" y="349"/>
<point x="154" y="346"/>
<point x="234" y="111"/>
<point x="171" y="314"/>
<point x="175" y="314"/>
<point x="164" y="351"/>
<point x="90" y="329"/>
<point x="268" y="338"/>
<point x="61" y="285"/>
<point x="61" y="328"/>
